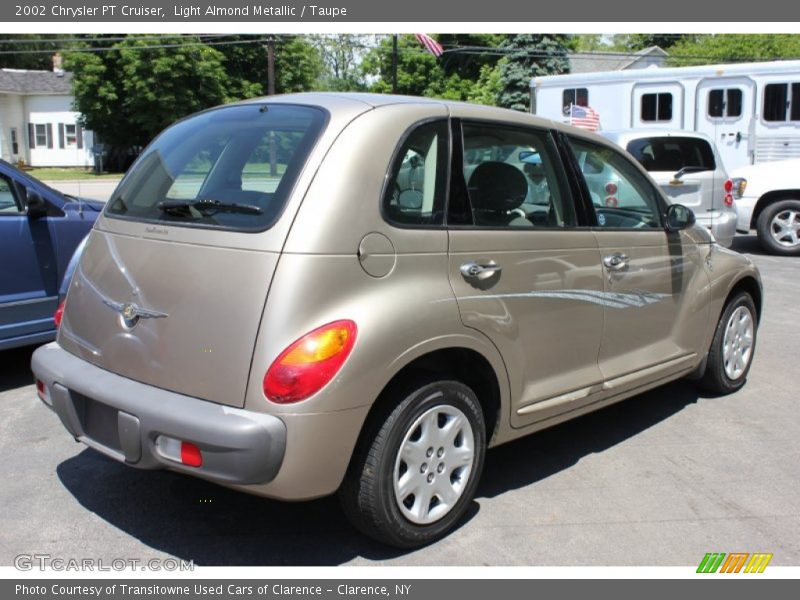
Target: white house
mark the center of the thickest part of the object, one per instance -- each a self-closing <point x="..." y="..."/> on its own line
<point x="37" y="122"/>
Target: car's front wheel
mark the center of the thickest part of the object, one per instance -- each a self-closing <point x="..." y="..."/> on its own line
<point x="733" y="346"/>
<point x="778" y="228"/>
<point x="417" y="466"/>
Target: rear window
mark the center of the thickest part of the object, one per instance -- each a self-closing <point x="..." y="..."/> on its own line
<point x="230" y="168"/>
<point x="672" y="153"/>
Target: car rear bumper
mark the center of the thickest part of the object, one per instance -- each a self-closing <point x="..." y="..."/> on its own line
<point x="122" y="419"/>
<point x="722" y="224"/>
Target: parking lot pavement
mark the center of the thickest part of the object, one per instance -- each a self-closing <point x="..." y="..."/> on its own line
<point x="659" y="479"/>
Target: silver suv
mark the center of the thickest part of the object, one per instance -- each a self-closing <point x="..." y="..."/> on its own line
<point x="689" y="170"/>
<point x="315" y="293"/>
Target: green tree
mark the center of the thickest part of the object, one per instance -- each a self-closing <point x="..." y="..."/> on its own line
<point x="417" y="69"/>
<point x="725" y="48"/>
<point x="128" y="95"/>
<point x="341" y="56"/>
<point x="27" y="51"/>
<point x="526" y="56"/>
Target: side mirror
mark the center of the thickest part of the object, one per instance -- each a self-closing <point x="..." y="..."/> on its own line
<point x="37" y="207"/>
<point x="679" y="217"/>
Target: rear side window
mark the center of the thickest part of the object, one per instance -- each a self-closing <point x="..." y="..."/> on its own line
<point x="672" y="153"/>
<point x="416" y="184"/>
<point x="231" y="168"/>
<point x="513" y="178"/>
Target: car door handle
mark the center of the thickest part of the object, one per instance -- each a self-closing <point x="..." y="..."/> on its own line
<point x="616" y="261"/>
<point x="474" y="270"/>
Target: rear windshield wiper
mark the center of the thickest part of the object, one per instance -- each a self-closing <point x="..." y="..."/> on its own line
<point x="688" y="169"/>
<point x="205" y="207"/>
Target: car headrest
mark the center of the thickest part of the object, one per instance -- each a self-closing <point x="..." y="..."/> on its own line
<point x="497" y="186"/>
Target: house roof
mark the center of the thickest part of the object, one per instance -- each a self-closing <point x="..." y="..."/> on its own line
<point x="18" y="81"/>
<point x="592" y="62"/>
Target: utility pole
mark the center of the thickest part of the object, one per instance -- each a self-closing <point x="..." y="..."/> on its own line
<point x="394" y="63"/>
<point x="273" y="158"/>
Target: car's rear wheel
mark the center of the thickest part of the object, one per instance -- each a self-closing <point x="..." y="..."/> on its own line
<point x="733" y="346"/>
<point x="417" y="466"/>
<point x="778" y="228"/>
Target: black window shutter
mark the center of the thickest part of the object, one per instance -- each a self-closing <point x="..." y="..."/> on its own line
<point x="31" y="136"/>
<point x="61" y="135"/>
<point x="49" y="135"/>
<point x="79" y="135"/>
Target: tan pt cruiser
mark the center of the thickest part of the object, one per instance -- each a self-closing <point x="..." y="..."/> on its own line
<point x="322" y="293"/>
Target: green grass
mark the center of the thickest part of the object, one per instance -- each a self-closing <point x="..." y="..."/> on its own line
<point x="66" y="173"/>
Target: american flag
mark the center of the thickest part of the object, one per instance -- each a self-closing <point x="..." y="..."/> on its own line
<point x="431" y="45"/>
<point x="584" y="117"/>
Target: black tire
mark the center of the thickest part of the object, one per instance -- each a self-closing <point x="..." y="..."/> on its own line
<point x="368" y="494"/>
<point x="766" y="223"/>
<point x="716" y="379"/>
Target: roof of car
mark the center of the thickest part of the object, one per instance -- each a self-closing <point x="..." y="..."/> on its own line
<point x="331" y="99"/>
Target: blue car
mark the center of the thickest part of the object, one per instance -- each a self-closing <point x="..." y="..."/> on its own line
<point x="41" y="235"/>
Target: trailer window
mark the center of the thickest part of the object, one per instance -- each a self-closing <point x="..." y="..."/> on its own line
<point x="656" y="107"/>
<point x="725" y="103"/>
<point x="576" y="96"/>
<point x="782" y="102"/>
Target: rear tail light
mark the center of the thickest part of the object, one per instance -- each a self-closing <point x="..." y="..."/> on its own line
<point x="739" y="186"/>
<point x="59" y="314"/>
<point x="310" y="363"/>
<point x="611" y="188"/>
<point x="41" y="389"/>
<point x="728" y="199"/>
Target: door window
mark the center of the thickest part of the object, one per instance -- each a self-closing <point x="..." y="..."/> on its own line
<point x="576" y="96"/>
<point x="622" y="197"/>
<point x="417" y="179"/>
<point x="656" y="107"/>
<point x="724" y="103"/>
<point x="9" y="204"/>
<point x="513" y="178"/>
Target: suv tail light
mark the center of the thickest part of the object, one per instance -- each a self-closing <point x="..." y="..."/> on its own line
<point x="59" y="314"/>
<point x="307" y="365"/>
<point x="728" y="200"/>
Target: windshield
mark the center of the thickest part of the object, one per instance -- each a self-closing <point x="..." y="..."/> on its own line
<point x="672" y="153"/>
<point x="244" y="155"/>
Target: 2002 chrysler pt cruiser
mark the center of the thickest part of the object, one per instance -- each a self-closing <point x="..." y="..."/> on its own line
<point x="315" y="293"/>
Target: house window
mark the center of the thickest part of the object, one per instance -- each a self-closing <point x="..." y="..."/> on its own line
<point x="576" y="96"/>
<point x="725" y="103"/>
<point x="41" y="134"/>
<point x="71" y="134"/>
<point x="782" y="102"/>
<point x="656" y="107"/>
<point x="14" y="141"/>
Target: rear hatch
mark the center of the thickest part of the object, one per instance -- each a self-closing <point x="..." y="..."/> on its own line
<point x="685" y="168"/>
<point x="172" y="283"/>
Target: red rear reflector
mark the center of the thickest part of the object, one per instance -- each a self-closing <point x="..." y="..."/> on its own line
<point x="728" y="200"/>
<point x="40" y="388"/>
<point x="190" y="455"/>
<point x="59" y="314"/>
<point x="310" y="363"/>
<point x="611" y="202"/>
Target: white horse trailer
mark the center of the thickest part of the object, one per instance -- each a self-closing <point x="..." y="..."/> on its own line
<point x="750" y="110"/>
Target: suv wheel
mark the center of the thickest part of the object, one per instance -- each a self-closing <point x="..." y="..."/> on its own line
<point x="732" y="349"/>
<point x="779" y="228"/>
<point x="416" y="470"/>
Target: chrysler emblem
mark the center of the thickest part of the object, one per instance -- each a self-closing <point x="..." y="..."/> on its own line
<point x="130" y="313"/>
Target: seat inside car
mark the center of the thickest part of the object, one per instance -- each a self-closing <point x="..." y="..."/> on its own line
<point x="497" y="190"/>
